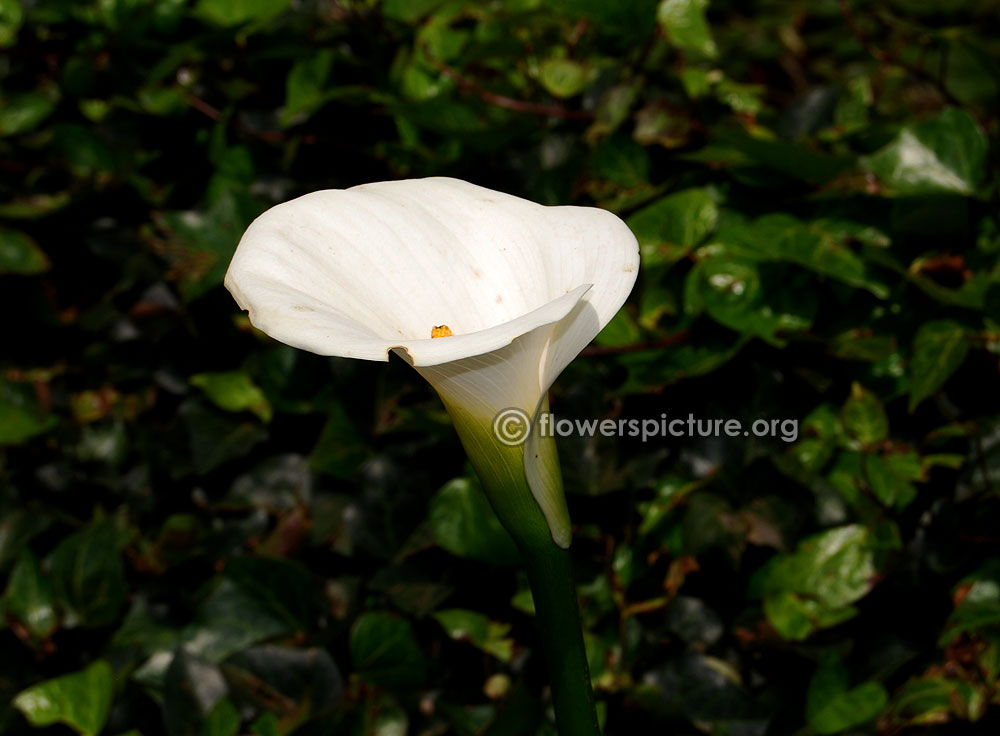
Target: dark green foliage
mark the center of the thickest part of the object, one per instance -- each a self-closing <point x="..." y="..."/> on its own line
<point x="204" y="533"/>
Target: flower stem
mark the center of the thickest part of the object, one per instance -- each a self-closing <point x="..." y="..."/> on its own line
<point x="501" y="469"/>
<point x="550" y="572"/>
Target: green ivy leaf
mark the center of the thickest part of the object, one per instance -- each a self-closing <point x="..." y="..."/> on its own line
<point x="81" y="700"/>
<point x="409" y="11"/>
<point x="944" y="155"/>
<point x="237" y="12"/>
<point x="19" y="423"/>
<point x="191" y="691"/>
<point x="814" y="586"/>
<point x="939" y="348"/>
<point x="864" y="417"/>
<point x="622" y="161"/>
<point x="234" y="391"/>
<point x="306" y="677"/>
<point x="674" y="224"/>
<point x="229" y="620"/>
<point x="17" y="528"/>
<point x="306" y="88"/>
<point x="831" y="707"/>
<point x="889" y="486"/>
<point x="88" y="575"/>
<point x="820" y="431"/>
<point x="795" y="616"/>
<point x="29" y="597"/>
<point x="794" y="160"/>
<point x="340" y="449"/>
<point x="743" y="296"/>
<point x="621" y="330"/>
<point x="651" y="370"/>
<point x="385" y="651"/>
<point x="86" y="152"/>
<point x="464" y="524"/>
<point x="937" y="699"/>
<point x="635" y="17"/>
<point x="22" y="112"/>
<point x="821" y="246"/>
<point x="490" y="636"/>
<point x="564" y="77"/>
<point x="208" y="238"/>
<point x="215" y="438"/>
<point x="11" y="17"/>
<point x="222" y="720"/>
<point x="686" y="27"/>
<point x="266" y="725"/>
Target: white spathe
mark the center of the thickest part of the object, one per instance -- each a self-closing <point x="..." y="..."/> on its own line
<point x="370" y="270"/>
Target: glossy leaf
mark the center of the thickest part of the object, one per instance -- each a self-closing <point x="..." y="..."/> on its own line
<point x="81" y="700"/>
<point x="88" y="575"/>
<point x="234" y="391"/>
<point x="339" y="450"/>
<point x="19" y="423"/>
<point x="20" y="254"/>
<point x="673" y="224"/>
<point x="386" y="652"/>
<point x="864" y="416"/>
<point x="946" y="154"/>
<point x="266" y="675"/>
<point x="222" y="720"/>
<point x="229" y="620"/>
<point x="622" y="161"/>
<point x="464" y="524"/>
<point x="824" y="247"/>
<point x="215" y="438"/>
<point x="192" y="689"/>
<point x="17" y="528"/>
<point x="29" y="597"/>
<point x="476" y="628"/>
<point x="238" y="12"/>
<point x="564" y="77"/>
<point x="21" y="113"/>
<point x="11" y="17"/>
<point x="939" y="348"/>
<point x="831" y="707"/>
<point x="814" y="586"/>
<point x="408" y="11"/>
<point x="796" y="616"/>
<point x="685" y="25"/>
<point x="736" y="293"/>
<point x="306" y="88"/>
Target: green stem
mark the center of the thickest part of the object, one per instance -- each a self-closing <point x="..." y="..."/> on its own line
<point x="501" y="469"/>
<point x="550" y="572"/>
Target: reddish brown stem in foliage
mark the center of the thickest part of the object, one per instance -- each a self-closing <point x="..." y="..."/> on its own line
<point x="508" y="103"/>
<point x="271" y="136"/>
<point x="887" y="57"/>
<point x="204" y="108"/>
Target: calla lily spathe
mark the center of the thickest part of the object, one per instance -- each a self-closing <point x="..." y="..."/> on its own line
<point x="371" y="270"/>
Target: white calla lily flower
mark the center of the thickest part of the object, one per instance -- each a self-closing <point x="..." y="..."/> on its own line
<point x="522" y="289"/>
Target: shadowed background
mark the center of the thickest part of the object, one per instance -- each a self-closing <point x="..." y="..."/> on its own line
<point x="206" y="533"/>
